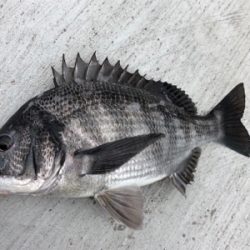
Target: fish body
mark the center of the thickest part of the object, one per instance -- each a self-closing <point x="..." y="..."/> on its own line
<point x="104" y="132"/>
<point x="95" y="118"/>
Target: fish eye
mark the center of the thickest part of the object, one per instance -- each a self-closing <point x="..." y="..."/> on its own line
<point x="6" y="142"/>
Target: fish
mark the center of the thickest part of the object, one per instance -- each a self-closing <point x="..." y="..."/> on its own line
<point x="104" y="132"/>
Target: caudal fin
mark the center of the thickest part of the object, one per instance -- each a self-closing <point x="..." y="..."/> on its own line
<point x="231" y="110"/>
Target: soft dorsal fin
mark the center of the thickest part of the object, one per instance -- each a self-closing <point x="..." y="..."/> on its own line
<point x="185" y="174"/>
<point x="106" y="72"/>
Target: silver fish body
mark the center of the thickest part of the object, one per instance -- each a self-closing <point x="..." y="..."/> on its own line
<point x="95" y="113"/>
<point x="104" y="132"/>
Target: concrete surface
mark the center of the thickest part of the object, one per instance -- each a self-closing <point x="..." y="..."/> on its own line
<point x="202" y="46"/>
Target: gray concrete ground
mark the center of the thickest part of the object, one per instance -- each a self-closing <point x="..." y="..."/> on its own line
<point x="202" y="46"/>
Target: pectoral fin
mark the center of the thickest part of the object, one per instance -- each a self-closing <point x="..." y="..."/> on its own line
<point x="110" y="156"/>
<point x="124" y="204"/>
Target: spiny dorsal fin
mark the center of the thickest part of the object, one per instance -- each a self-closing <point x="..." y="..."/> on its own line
<point x="57" y="78"/>
<point x="80" y="70"/>
<point x="185" y="174"/>
<point x="67" y="72"/>
<point x="106" y="72"/>
<point x="93" y="69"/>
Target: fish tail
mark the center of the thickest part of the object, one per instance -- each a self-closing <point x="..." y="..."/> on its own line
<point x="230" y="110"/>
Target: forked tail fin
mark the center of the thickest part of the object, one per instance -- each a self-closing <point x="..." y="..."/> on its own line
<point x="231" y="110"/>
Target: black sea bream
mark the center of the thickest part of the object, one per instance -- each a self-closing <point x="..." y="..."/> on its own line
<point x="104" y="132"/>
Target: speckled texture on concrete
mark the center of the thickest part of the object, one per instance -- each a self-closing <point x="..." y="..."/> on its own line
<point x="202" y="46"/>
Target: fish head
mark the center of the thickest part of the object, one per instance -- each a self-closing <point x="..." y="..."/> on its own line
<point x="27" y="153"/>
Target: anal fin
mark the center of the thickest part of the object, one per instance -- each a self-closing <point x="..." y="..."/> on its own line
<point x="185" y="173"/>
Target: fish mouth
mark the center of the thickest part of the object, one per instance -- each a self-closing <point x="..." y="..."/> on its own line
<point x="30" y="182"/>
<point x="24" y="182"/>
